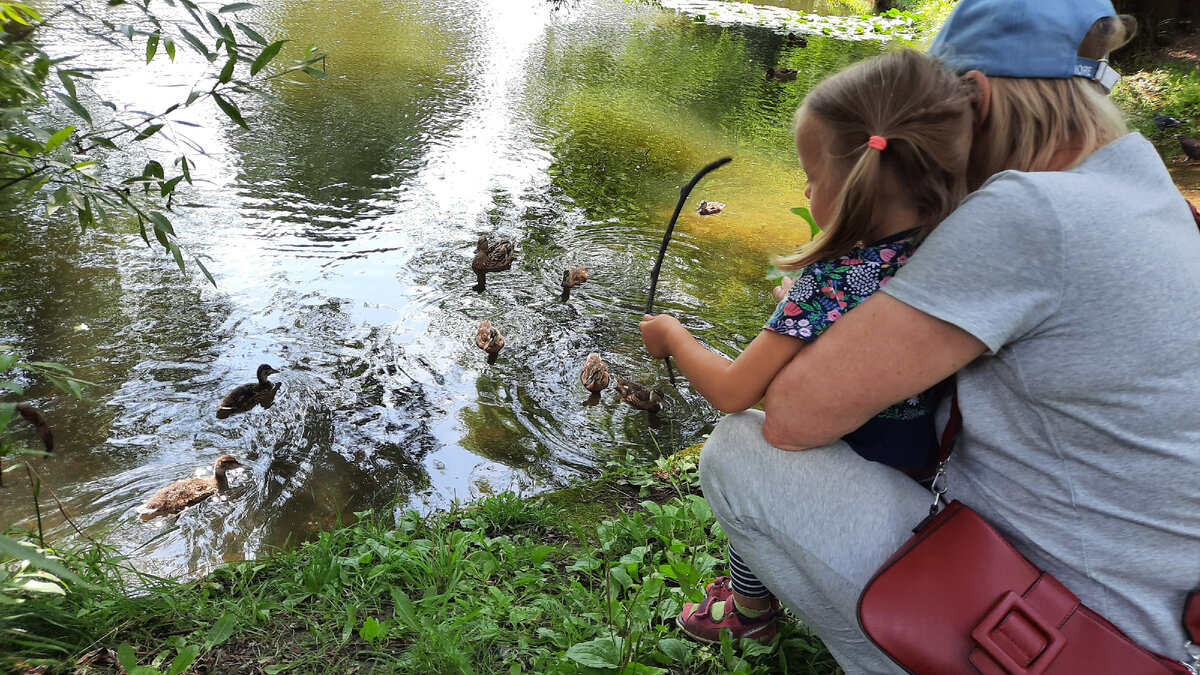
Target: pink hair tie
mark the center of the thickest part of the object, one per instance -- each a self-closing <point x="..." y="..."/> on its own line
<point x="877" y="142"/>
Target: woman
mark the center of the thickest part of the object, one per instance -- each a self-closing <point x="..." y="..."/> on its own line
<point x="1063" y="293"/>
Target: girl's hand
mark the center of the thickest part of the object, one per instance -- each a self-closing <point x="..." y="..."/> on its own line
<point x="656" y="330"/>
<point x="785" y="284"/>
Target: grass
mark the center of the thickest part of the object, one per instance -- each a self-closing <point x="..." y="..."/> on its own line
<point x="1160" y="83"/>
<point x="503" y="585"/>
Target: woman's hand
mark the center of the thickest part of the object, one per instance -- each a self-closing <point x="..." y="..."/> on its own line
<point x="656" y="331"/>
<point x="785" y="284"/>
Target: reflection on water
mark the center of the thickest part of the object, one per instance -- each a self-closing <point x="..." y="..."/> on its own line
<point x="341" y="228"/>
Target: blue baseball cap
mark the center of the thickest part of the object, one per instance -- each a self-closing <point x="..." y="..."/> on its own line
<point x="1023" y="38"/>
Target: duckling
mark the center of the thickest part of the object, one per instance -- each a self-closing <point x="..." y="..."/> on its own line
<point x="640" y="397"/>
<point x="1190" y="148"/>
<point x="247" y="396"/>
<point x="595" y="374"/>
<point x="40" y="427"/>
<point x="491" y="257"/>
<point x="783" y="74"/>
<point x="572" y="278"/>
<point x="488" y="338"/>
<point x="794" y="40"/>
<point x="183" y="493"/>
<point x="707" y="208"/>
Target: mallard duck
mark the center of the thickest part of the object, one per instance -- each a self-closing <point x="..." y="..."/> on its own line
<point x="1165" y="121"/>
<point x="640" y="397"/>
<point x="491" y="257"/>
<point x="595" y="374"/>
<point x="783" y="74"/>
<point x="573" y="277"/>
<point x="183" y="493"/>
<point x="708" y="208"/>
<point x="40" y="427"/>
<point x="247" y="396"/>
<point x="1190" y="148"/>
<point x="488" y="338"/>
<point x="794" y="40"/>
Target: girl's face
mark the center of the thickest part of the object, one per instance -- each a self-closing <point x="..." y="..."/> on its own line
<point x="824" y="183"/>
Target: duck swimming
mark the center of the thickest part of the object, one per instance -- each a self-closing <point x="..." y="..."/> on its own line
<point x="782" y="74"/>
<point x="707" y="208"/>
<point x="491" y="257"/>
<point x="40" y="427"/>
<point x="489" y="339"/>
<point x="794" y="40"/>
<point x="572" y="278"/>
<point x="595" y="374"/>
<point x="183" y="493"/>
<point x="640" y="397"/>
<point x="247" y="396"/>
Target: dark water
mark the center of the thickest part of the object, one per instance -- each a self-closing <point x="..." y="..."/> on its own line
<point x="340" y="230"/>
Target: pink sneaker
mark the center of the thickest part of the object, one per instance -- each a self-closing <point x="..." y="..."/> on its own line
<point x="703" y="621"/>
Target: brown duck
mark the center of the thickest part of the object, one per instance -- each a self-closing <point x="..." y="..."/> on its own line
<point x="572" y="278"/>
<point x="640" y="397"/>
<point x="794" y="40"/>
<point x="707" y="208"/>
<point x="40" y="427"/>
<point x="183" y="493"/>
<point x="247" y="396"/>
<point x="595" y="374"/>
<point x="782" y="74"/>
<point x="488" y="338"/>
<point x="491" y="257"/>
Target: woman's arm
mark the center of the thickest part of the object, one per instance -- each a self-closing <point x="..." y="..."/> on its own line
<point x="731" y="386"/>
<point x="882" y="352"/>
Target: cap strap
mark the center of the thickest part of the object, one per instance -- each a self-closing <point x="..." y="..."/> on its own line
<point x="1097" y="71"/>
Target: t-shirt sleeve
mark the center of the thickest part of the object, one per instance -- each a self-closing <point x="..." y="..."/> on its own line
<point x="994" y="267"/>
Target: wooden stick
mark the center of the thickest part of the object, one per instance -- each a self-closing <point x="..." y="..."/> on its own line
<point x="662" y="251"/>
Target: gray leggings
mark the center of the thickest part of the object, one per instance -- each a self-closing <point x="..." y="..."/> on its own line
<point x="814" y="525"/>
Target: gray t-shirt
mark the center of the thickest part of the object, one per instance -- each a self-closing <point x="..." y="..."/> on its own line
<point x="1081" y="423"/>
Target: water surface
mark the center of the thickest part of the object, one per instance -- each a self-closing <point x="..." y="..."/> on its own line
<point x="340" y="230"/>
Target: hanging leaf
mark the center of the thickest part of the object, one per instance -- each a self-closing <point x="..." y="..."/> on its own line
<point x="58" y="138"/>
<point x="804" y="213"/>
<point x="204" y="269"/>
<point x="236" y="7"/>
<point x="227" y="71"/>
<point x="265" y="57"/>
<point x="64" y="76"/>
<point x="147" y="132"/>
<point x="151" y="47"/>
<point x="231" y="110"/>
<point x="170" y="45"/>
<point x="74" y="106"/>
<point x="196" y="43"/>
<point x="178" y="255"/>
<point x="251" y="33"/>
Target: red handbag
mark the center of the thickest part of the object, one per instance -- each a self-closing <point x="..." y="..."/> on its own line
<point x="958" y="598"/>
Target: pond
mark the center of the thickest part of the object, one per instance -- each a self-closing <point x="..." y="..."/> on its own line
<point x="340" y="230"/>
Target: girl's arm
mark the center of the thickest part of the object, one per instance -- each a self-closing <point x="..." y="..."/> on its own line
<point x="731" y="386"/>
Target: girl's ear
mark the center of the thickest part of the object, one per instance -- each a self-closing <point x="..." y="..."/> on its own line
<point x="983" y="95"/>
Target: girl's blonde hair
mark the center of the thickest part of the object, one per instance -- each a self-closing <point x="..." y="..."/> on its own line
<point x="1031" y="120"/>
<point x="923" y="110"/>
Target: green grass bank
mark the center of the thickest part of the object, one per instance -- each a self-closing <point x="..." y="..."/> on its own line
<point x="583" y="580"/>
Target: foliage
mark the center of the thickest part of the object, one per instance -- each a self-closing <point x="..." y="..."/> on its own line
<point x="505" y="585"/>
<point x="1155" y="84"/>
<point x="75" y="166"/>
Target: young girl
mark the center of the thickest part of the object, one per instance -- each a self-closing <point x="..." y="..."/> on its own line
<point x="884" y="145"/>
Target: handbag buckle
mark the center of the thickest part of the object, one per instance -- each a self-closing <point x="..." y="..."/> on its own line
<point x="1041" y="641"/>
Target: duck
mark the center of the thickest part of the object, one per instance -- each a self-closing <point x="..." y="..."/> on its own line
<point x="249" y="395"/>
<point x="640" y="397"/>
<point x="782" y="74"/>
<point x="1190" y="148"/>
<point x="572" y="278"/>
<point x="708" y="208"/>
<point x="39" y="424"/>
<point x="183" y="493"/>
<point x="595" y="374"/>
<point x="794" y="40"/>
<point x="491" y="257"/>
<point x="488" y="338"/>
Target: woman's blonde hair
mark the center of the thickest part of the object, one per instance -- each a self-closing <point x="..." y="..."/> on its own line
<point x="1031" y="120"/>
<point x="923" y="110"/>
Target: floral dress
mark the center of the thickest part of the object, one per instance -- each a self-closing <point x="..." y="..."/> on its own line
<point x="902" y="435"/>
